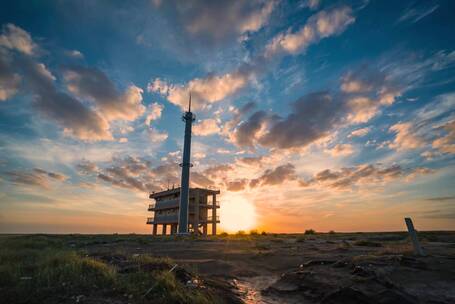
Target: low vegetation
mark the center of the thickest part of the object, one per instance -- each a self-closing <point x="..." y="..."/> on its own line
<point x="310" y="232"/>
<point x="47" y="269"/>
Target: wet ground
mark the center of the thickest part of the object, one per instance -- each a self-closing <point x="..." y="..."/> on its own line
<point x="320" y="268"/>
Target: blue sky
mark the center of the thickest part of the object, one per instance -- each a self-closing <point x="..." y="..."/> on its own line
<point x="329" y="115"/>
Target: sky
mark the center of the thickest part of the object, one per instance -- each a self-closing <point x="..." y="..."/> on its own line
<point x="329" y="115"/>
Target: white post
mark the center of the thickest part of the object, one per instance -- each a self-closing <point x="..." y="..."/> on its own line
<point x="413" y="234"/>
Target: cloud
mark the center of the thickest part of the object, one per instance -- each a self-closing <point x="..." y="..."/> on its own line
<point x="405" y="138"/>
<point x="360" y="132"/>
<point x="206" y="127"/>
<point x="314" y="116"/>
<point x="9" y="80"/>
<point x="349" y="177"/>
<point x="156" y="136"/>
<point x="154" y="112"/>
<point x="432" y="126"/>
<point x="220" y="170"/>
<point x="86" y="167"/>
<point x="441" y="198"/>
<point x="204" y="91"/>
<point x="53" y="175"/>
<point x="94" y="85"/>
<point x="200" y="180"/>
<point x="15" y="38"/>
<point x="251" y="161"/>
<point x="76" y="119"/>
<point x="341" y="150"/>
<point x="74" y="54"/>
<point x="237" y="185"/>
<point x="319" y="26"/>
<point x="275" y="176"/>
<point x="215" y="88"/>
<point x="90" y="123"/>
<point x="417" y="13"/>
<point x="446" y="143"/>
<point x="216" y="22"/>
<point x="238" y="113"/>
<point x="36" y="177"/>
<point x="311" y="4"/>
<point x="135" y="174"/>
<point x="251" y="130"/>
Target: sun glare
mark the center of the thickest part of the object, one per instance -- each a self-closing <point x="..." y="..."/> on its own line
<point x="237" y="213"/>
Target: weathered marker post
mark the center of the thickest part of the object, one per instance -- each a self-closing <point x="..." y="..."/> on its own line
<point x="413" y="234"/>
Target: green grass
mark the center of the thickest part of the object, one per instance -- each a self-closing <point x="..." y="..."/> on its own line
<point x="47" y="269"/>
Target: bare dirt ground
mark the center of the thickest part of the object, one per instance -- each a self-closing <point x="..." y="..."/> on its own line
<point x="319" y="268"/>
<point x="376" y="268"/>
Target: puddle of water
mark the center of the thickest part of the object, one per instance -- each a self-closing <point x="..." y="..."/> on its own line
<point x="250" y="288"/>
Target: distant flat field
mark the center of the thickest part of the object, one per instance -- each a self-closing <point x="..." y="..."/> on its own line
<point x="271" y="268"/>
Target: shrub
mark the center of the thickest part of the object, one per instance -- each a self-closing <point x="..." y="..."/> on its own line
<point x="254" y="232"/>
<point x="331" y="232"/>
<point x="263" y="233"/>
<point x="310" y="231"/>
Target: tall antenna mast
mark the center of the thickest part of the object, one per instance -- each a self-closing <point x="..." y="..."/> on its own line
<point x="188" y="118"/>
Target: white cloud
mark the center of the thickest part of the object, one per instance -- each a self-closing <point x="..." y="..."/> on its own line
<point x="360" y="132"/>
<point x="446" y="143"/>
<point x="74" y="54"/>
<point x="9" y="80"/>
<point x="94" y="85"/>
<point x="203" y="90"/>
<point x="154" y="112"/>
<point x="405" y="139"/>
<point x="157" y="136"/>
<point x="206" y="127"/>
<point x="15" y="38"/>
<point x="219" y="21"/>
<point x="341" y="150"/>
<point x="321" y="25"/>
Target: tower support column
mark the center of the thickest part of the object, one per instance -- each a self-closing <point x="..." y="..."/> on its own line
<point x="164" y="229"/>
<point x="173" y="228"/>
<point x="155" y="226"/>
<point x="214" y="214"/>
<point x="196" y="212"/>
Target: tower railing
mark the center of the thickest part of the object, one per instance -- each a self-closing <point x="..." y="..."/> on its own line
<point x="210" y="218"/>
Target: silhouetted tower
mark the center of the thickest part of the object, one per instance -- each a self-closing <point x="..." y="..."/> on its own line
<point x="188" y="118"/>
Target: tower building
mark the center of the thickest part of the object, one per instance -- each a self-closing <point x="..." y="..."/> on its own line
<point x="185" y="209"/>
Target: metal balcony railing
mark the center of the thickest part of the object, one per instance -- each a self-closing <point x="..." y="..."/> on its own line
<point x="210" y="218"/>
<point x="210" y="204"/>
<point x="150" y="220"/>
<point x="151" y="207"/>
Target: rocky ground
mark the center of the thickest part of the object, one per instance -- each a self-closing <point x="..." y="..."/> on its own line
<point x="319" y="268"/>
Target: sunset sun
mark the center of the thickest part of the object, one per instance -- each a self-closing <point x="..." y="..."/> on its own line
<point x="237" y="213"/>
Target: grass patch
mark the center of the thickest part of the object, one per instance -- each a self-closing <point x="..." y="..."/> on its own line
<point x="47" y="269"/>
